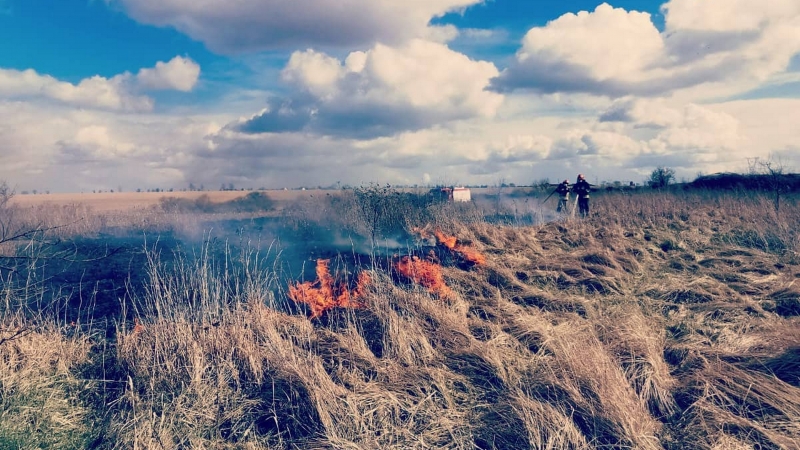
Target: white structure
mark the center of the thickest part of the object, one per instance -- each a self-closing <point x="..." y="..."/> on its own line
<point x="461" y="194"/>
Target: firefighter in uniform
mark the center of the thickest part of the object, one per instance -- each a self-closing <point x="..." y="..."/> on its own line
<point x="563" y="191"/>
<point x="582" y="189"/>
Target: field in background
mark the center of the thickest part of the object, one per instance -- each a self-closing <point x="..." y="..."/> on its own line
<point x="126" y="201"/>
<point x="665" y="320"/>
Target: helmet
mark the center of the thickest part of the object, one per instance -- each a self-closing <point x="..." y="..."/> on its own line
<point x="566" y="181"/>
<point x="580" y="176"/>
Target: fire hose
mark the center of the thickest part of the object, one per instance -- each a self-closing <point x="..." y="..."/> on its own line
<point x="548" y="197"/>
<point x="575" y="205"/>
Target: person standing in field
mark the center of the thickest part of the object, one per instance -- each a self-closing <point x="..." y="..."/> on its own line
<point x="563" y="191"/>
<point x="582" y="188"/>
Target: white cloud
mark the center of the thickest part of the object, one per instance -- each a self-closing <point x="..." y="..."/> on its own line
<point x="57" y="147"/>
<point x="727" y="15"/>
<point x="615" y="52"/>
<point x="614" y="43"/>
<point x="94" y="92"/>
<point x="479" y="33"/>
<point x="380" y="91"/>
<point x="180" y="74"/>
<point x="119" y="93"/>
<point x="245" y="25"/>
<point x="60" y="148"/>
<point x="700" y="130"/>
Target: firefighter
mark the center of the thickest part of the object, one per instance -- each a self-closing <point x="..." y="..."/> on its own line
<point x="563" y="191"/>
<point x="582" y="189"/>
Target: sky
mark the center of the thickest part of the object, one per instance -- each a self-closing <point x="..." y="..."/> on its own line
<point x="144" y="94"/>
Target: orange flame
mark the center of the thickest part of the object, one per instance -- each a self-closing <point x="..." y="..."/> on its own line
<point x="469" y="253"/>
<point x="137" y="327"/>
<point x="425" y="273"/>
<point x="323" y="294"/>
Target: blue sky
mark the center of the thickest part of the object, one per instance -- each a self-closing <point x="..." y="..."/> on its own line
<point x="75" y="39"/>
<point x="274" y="93"/>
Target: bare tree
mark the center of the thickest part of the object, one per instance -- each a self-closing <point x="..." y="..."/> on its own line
<point x="774" y="173"/>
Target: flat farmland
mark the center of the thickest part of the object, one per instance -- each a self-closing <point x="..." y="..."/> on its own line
<point x="126" y="201"/>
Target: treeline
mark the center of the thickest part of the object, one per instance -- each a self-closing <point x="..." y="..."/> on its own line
<point x="789" y="182"/>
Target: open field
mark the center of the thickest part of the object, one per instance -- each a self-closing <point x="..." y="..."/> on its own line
<point x="128" y="201"/>
<point x="665" y="320"/>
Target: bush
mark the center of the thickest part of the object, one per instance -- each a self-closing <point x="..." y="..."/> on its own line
<point x="662" y="177"/>
<point x="250" y="203"/>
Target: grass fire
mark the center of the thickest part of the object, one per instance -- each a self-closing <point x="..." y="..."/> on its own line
<point x="325" y="293"/>
<point x="425" y="273"/>
<point x="666" y="319"/>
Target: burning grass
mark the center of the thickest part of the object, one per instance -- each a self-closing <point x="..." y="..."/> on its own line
<point x="577" y="334"/>
<point x="427" y="274"/>
<point x="325" y="293"/>
<point x="470" y="254"/>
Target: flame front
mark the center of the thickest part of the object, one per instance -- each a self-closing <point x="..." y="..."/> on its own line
<point x="324" y="294"/>
<point x="425" y="273"/>
<point x="469" y="253"/>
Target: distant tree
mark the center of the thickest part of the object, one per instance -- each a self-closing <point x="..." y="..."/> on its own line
<point x="774" y="171"/>
<point x="661" y="177"/>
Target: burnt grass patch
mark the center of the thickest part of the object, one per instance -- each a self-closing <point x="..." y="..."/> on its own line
<point x="500" y="428"/>
<point x="480" y="374"/>
<point x="286" y="409"/>
<point x="786" y="303"/>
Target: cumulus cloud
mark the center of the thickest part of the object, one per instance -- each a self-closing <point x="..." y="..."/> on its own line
<point x="680" y="135"/>
<point x="727" y="15"/>
<point x="94" y="92"/>
<point x="178" y="74"/>
<point x="379" y="92"/>
<point x="614" y="52"/>
<point x="247" y="25"/>
<point x="123" y="92"/>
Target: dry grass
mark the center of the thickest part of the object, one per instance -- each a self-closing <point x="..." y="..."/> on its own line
<point x="668" y="320"/>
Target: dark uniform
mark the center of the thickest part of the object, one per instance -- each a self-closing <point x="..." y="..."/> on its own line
<point x="563" y="191"/>
<point x="582" y="189"/>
